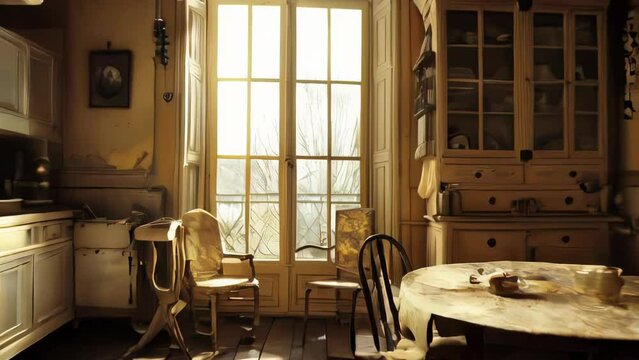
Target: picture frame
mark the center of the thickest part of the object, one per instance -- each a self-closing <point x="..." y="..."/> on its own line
<point x="110" y="78"/>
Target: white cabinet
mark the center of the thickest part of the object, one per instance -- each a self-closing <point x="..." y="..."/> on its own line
<point x="30" y="88"/>
<point x="15" y="298"/>
<point x="13" y="74"/>
<point x="52" y="282"/>
<point x="36" y="278"/>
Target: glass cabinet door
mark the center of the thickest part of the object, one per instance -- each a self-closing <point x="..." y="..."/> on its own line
<point x="549" y="116"/>
<point x="480" y="100"/>
<point x="586" y="84"/>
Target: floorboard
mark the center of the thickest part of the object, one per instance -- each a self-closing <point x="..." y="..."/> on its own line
<point x="297" y="349"/>
<point x="338" y="345"/>
<point x="280" y="340"/>
<point x="252" y="351"/>
<point x="315" y="345"/>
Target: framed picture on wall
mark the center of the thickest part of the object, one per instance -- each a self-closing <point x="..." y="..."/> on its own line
<point x="110" y="78"/>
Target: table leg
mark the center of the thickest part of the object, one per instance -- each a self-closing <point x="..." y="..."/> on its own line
<point x="475" y="340"/>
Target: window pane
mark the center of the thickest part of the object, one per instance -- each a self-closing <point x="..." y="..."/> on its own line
<point x="231" y="118"/>
<point x="311" y="207"/>
<point x="232" y="40"/>
<point x="346" y="44"/>
<point x="265" y="118"/>
<point x="345" y="116"/>
<point x="266" y="42"/>
<point x="312" y="43"/>
<point x="311" y="117"/>
<point x="264" y="232"/>
<point x="345" y="178"/>
<point x="231" y="181"/>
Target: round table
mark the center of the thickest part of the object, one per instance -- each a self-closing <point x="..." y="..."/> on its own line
<point x="549" y="307"/>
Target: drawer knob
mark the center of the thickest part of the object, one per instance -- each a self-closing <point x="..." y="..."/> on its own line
<point x="569" y="200"/>
<point x="492" y="200"/>
<point x="478" y="174"/>
<point x="491" y="242"/>
<point x="572" y="174"/>
<point x="565" y="239"/>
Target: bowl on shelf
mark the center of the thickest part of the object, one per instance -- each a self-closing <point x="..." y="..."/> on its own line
<point x="544" y="72"/>
<point x="10" y="206"/>
<point x="549" y="36"/>
<point x="461" y="73"/>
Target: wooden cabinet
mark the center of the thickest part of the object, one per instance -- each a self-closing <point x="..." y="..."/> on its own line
<point x="520" y="131"/>
<point x="520" y="80"/>
<point x="53" y="282"/>
<point x="30" y="91"/>
<point x="473" y="245"/>
<point x="16" y="287"/>
<point x="460" y="239"/>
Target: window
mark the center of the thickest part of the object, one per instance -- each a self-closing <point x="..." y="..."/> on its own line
<point x="320" y="134"/>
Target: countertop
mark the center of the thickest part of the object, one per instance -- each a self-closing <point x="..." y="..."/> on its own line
<point x="35" y="214"/>
<point x="543" y="218"/>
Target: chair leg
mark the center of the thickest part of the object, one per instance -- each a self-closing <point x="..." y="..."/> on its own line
<point x="213" y="299"/>
<point x="352" y="330"/>
<point x="176" y="334"/>
<point x="256" y="306"/>
<point x="307" y="293"/>
<point x="157" y="323"/>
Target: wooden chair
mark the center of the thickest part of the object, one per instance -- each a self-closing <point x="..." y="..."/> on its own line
<point x="165" y="278"/>
<point x="382" y="299"/>
<point x="204" y="270"/>
<point x="352" y="227"/>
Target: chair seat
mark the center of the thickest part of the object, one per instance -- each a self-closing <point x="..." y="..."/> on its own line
<point x="334" y="284"/>
<point x="225" y="284"/>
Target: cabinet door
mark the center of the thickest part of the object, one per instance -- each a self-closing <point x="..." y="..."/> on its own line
<point x="547" y="77"/>
<point x="569" y="246"/>
<point x="12" y="73"/>
<point x="41" y="86"/>
<point x="53" y="281"/>
<point x="587" y="106"/>
<point x="474" y="246"/>
<point x="480" y="97"/>
<point x="15" y="298"/>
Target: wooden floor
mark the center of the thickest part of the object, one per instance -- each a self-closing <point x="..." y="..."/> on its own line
<point x="275" y="338"/>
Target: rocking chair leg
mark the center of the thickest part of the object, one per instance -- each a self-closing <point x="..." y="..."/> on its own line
<point x="213" y="299"/>
<point x="307" y="293"/>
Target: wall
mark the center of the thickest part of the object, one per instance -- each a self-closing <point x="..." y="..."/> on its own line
<point x="139" y="137"/>
<point x="412" y="207"/>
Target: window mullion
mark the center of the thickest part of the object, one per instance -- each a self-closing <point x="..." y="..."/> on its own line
<point x="247" y="204"/>
<point x="329" y="137"/>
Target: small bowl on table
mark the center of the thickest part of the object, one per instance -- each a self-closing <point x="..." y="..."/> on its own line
<point x="603" y="282"/>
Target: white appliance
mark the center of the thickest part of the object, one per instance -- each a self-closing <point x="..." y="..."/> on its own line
<point x="105" y="268"/>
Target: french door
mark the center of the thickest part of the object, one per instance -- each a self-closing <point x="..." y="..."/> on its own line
<point x="289" y="97"/>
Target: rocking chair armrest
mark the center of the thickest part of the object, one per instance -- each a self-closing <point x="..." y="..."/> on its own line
<point x="311" y="246"/>
<point x="244" y="257"/>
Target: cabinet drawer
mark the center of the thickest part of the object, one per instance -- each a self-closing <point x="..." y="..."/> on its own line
<point x="568" y="238"/>
<point x="566" y="255"/>
<point x="52" y="232"/>
<point x="478" y="174"/>
<point x="567" y="201"/>
<point x="487" y="201"/>
<point x="563" y="174"/>
<point x="475" y="246"/>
